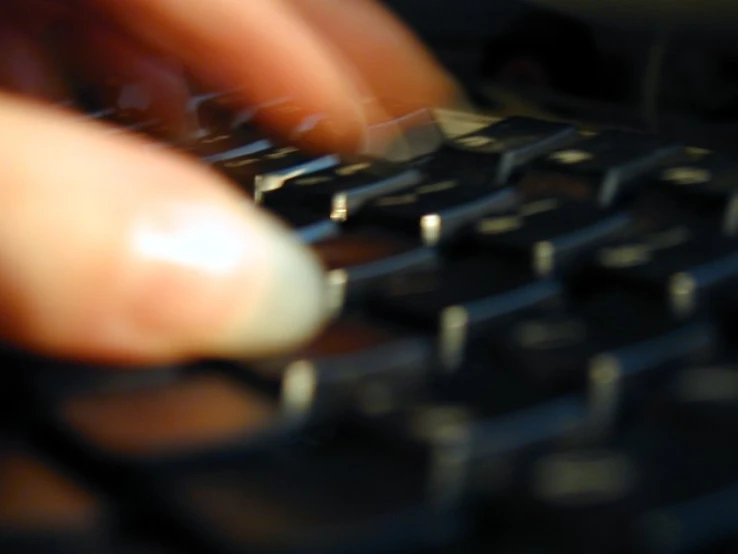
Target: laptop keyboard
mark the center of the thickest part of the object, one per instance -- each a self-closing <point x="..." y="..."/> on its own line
<point x="531" y="354"/>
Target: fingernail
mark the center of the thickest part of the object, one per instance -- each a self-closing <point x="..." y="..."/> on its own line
<point x="222" y="282"/>
<point x="293" y="304"/>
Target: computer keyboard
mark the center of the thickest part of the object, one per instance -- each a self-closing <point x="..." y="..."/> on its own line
<point x="532" y="353"/>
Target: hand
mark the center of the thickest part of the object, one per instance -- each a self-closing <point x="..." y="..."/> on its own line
<point x="116" y="252"/>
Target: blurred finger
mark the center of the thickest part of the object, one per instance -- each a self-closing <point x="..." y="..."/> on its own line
<point x="25" y="65"/>
<point x="388" y="58"/>
<point x="142" y="87"/>
<point x="154" y="258"/>
<point x="262" y="48"/>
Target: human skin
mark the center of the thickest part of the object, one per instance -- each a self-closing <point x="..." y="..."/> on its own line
<point x="117" y="252"/>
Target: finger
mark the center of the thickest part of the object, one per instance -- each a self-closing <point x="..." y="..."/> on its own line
<point x="118" y="73"/>
<point x="38" y="15"/>
<point x="260" y="47"/>
<point x="116" y="252"/>
<point x="26" y="66"/>
<point x="388" y="58"/>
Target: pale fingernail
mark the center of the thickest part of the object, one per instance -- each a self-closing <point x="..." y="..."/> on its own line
<point x="221" y="282"/>
<point x="292" y="306"/>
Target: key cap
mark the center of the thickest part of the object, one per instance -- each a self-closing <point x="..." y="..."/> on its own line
<point x="132" y="121"/>
<point x="341" y="191"/>
<point x="474" y="453"/>
<point x="707" y="186"/>
<point x="590" y="498"/>
<point x="221" y="133"/>
<point x="552" y="235"/>
<point x="362" y="260"/>
<point x="436" y="210"/>
<point x="706" y="396"/>
<point x="691" y="525"/>
<point x="686" y="267"/>
<point x="583" y="496"/>
<point x="213" y="112"/>
<point x="308" y="225"/>
<point x="550" y="347"/>
<point x="602" y="497"/>
<point x="491" y="155"/>
<point x="459" y="300"/>
<point x="266" y="170"/>
<point x="227" y="144"/>
<point x="557" y="349"/>
<point x="621" y="377"/>
<point x="603" y="168"/>
<point x="576" y="481"/>
<point x="199" y="414"/>
<point x="313" y="500"/>
<point x="278" y="164"/>
<point x="353" y="363"/>
<point x="43" y="510"/>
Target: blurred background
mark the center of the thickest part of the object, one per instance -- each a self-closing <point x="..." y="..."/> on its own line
<point x="638" y="72"/>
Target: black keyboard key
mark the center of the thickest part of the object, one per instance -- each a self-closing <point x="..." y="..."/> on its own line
<point x="44" y="510"/>
<point x="624" y="376"/>
<point x="353" y="363"/>
<point x="707" y="187"/>
<point x="349" y="495"/>
<point x="692" y="525"/>
<point x="359" y="261"/>
<point x="218" y="132"/>
<point x="266" y="170"/>
<point x="309" y="226"/>
<point x="340" y="192"/>
<point x="281" y="163"/>
<point x="214" y="112"/>
<point x="227" y="144"/>
<point x="476" y="454"/>
<point x="583" y="496"/>
<point x="615" y="497"/>
<point x="550" y="234"/>
<point x="593" y="498"/>
<point x="706" y="396"/>
<point x="491" y="155"/>
<point x="550" y="348"/>
<point x="461" y="299"/>
<point x="544" y="423"/>
<point x="602" y="168"/>
<point x="577" y="481"/>
<point x="558" y="349"/>
<point x="437" y="210"/>
<point x="597" y="496"/>
<point x="683" y="266"/>
<point x="133" y="121"/>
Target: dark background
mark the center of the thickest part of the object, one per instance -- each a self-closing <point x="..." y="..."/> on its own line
<point x="674" y="80"/>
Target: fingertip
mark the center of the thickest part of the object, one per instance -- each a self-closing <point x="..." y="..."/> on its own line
<point x="290" y="311"/>
<point x="158" y="260"/>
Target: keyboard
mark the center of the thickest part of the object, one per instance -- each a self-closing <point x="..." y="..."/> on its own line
<point x="532" y="352"/>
